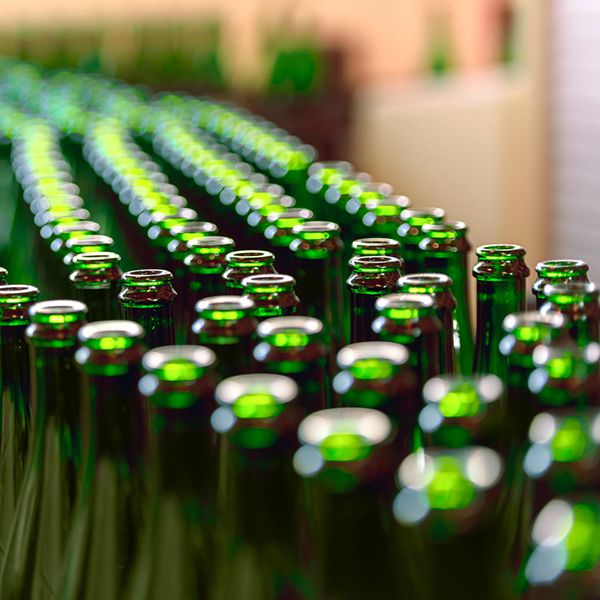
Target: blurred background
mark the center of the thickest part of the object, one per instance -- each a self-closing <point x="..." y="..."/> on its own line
<point x="486" y="108"/>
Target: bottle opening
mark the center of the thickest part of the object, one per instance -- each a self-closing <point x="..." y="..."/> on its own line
<point x="161" y="357"/>
<point x="16" y="293"/>
<point x="147" y="277"/>
<point x="410" y="302"/>
<point x="224" y="307"/>
<point x="96" y="260"/>
<point x="269" y="282"/>
<point x="500" y="252"/>
<point x="424" y="282"/>
<point x="256" y="393"/>
<point x="58" y="311"/>
<point x="390" y="352"/>
<point x="375" y="264"/>
<point x="562" y="268"/>
<point x="289" y="326"/>
<point x="215" y="244"/>
<point x="111" y="335"/>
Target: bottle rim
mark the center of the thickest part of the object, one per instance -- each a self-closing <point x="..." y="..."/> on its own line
<point x="378" y="263"/>
<point x="401" y="202"/>
<point x="424" y="283"/>
<point x="292" y="324"/>
<point x="157" y="358"/>
<point x="500" y="252"/>
<point x="571" y="292"/>
<point x="310" y="228"/>
<point x="268" y="283"/>
<point x="211" y="244"/>
<point x="562" y="268"/>
<point x="89" y="240"/>
<point x="291" y="214"/>
<point x="17" y="293"/>
<point x="249" y="258"/>
<point x="67" y="230"/>
<point x="194" y="227"/>
<point x="280" y="388"/>
<point x="395" y="354"/>
<point x="56" y="312"/>
<point x="146" y="277"/>
<point x="420" y="216"/>
<point x="414" y="302"/>
<point x="376" y="243"/>
<point x="227" y="307"/>
<point x="110" y="335"/>
<point x="549" y="320"/>
<point x="489" y="388"/>
<point x="95" y="260"/>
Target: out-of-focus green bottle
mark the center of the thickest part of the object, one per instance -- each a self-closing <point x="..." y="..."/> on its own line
<point x="84" y="244"/>
<point x="411" y="234"/>
<point x="53" y="475"/>
<point x="293" y="346"/>
<point x="557" y="272"/>
<point x="383" y="215"/>
<point x="446" y="250"/>
<point x="501" y="273"/>
<point x="259" y="497"/>
<point x="273" y="295"/>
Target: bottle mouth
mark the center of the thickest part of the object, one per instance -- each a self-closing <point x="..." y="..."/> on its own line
<point x="249" y="258"/>
<point x="289" y="326"/>
<point x="404" y="305"/>
<point x="17" y="293"/>
<point x="341" y="166"/>
<point x="89" y="241"/>
<point x="399" y="203"/>
<point x="424" y="283"/>
<point x="375" y="264"/>
<point x="255" y="393"/>
<point x="375" y="245"/>
<point x="446" y="230"/>
<point x="71" y="230"/>
<point x="348" y="431"/>
<point x="533" y="321"/>
<point x="57" y="312"/>
<point x="189" y="230"/>
<point x="96" y="260"/>
<point x="390" y="352"/>
<point x="375" y="187"/>
<point x="211" y="244"/>
<point x="501" y="252"/>
<point x="295" y="216"/>
<point x="420" y="216"/>
<point x="111" y="335"/>
<point x="162" y="218"/>
<point x="271" y="189"/>
<point x="224" y="307"/>
<point x="269" y="282"/>
<point x="316" y="229"/>
<point x="146" y="277"/>
<point x="563" y="267"/>
<point x="461" y="396"/>
<point x="571" y="292"/>
<point x="178" y="362"/>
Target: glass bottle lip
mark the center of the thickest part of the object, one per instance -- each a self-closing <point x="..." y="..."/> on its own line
<point x="146" y="277"/>
<point x="543" y="355"/>
<point x="284" y="326"/>
<point x="211" y="244"/>
<point x="85" y="241"/>
<point x="424" y="283"/>
<point x="188" y="231"/>
<point x="268" y="283"/>
<point x="380" y="263"/>
<point x="54" y="216"/>
<point x="339" y="165"/>
<point x="562" y="268"/>
<point x="418" y="217"/>
<point x="225" y="308"/>
<point x="393" y="353"/>
<point x="111" y="335"/>
<point x="280" y="388"/>
<point x="446" y="230"/>
<point x="291" y="214"/>
<point x="95" y="260"/>
<point x="18" y="294"/>
<point x="488" y="388"/>
<point x="376" y="245"/>
<point x="58" y="312"/>
<point x="414" y="304"/>
<point x="545" y="425"/>
<point x="316" y="230"/>
<point x="162" y="216"/>
<point x="501" y="252"/>
<point x="570" y="292"/>
<point x="167" y="362"/>
<point x="531" y="320"/>
<point x="371" y="426"/>
<point x="249" y="258"/>
<point x="71" y="230"/>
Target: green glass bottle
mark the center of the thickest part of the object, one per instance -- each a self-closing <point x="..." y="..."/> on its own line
<point x="227" y="325"/>
<point x="147" y="297"/>
<point x="273" y="295"/>
<point x="112" y="504"/>
<point x="182" y="234"/>
<point x="378" y="375"/>
<point x="446" y="250"/>
<point x="383" y="215"/>
<point x="371" y="278"/>
<point x="557" y="272"/>
<point x="293" y="346"/>
<point x="204" y="268"/>
<point x="87" y="243"/>
<point x="259" y="498"/>
<point x="161" y="223"/>
<point x="53" y="217"/>
<point x="578" y="303"/>
<point x="439" y="287"/>
<point x="356" y="208"/>
<point x="280" y="225"/>
<point x="3" y="276"/>
<point x="411" y="320"/>
<point x="33" y="553"/>
<point x="242" y="263"/>
<point x="317" y="250"/>
<point x="59" y="235"/>
<point x="501" y="273"/>
<point x="525" y="332"/>
<point x="411" y="234"/>
<point x="463" y="411"/>
<point x="449" y="527"/>
<point x="377" y="246"/>
<point x="176" y="560"/>
<point x="15" y="302"/>
<point x="347" y="462"/>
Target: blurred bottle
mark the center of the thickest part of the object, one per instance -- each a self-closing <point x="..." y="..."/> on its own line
<point x="578" y="303"/>
<point x="557" y="272"/>
<point x="411" y="320"/>
<point x="147" y="298"/>
<point x="371" y="278"/>
<point x="383" y="215"/>
<point x="439" y="287"/>
<point x="293" y="346"/>
<point x="52" y="478"/>
<point x="500" y="273"/>
<point x="112" y="503"/>
<point x="96" y="281"/>
<point x="411" y="235"/>
<point x="446" y="250"/>
<point x="84" y="244"/>
<point x="347" y="462"/>
<point x="15" y="302"/>
<point x="243" y="263"/>
<point x="176" y="558"/>
<point x="273" y="295"/>
<point x="259" y="498"/>
<point x="227" y="325"/>
<point x="378" y="375"/>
